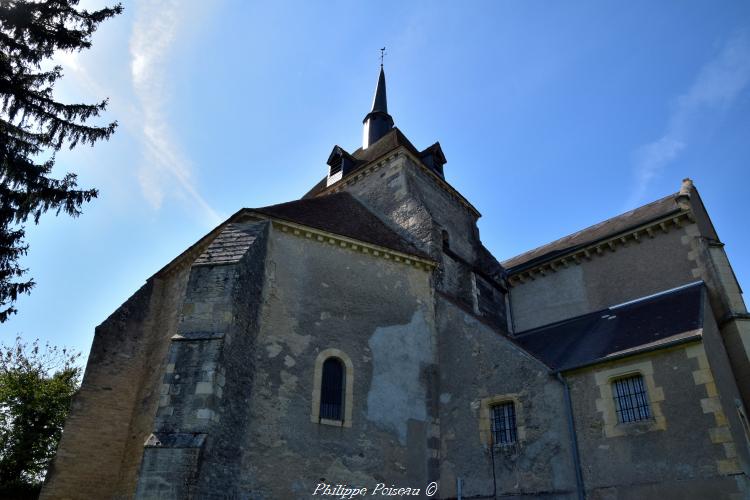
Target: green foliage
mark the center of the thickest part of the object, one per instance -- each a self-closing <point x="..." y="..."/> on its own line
<point x="36" y="387"/>
<point x="33" y="124"/>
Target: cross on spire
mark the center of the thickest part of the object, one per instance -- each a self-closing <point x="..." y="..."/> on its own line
<point x="382" y="55"/>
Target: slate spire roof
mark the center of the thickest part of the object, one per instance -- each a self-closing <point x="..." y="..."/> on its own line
<point x="379" y="101"/>
<point x="378" y="122"/>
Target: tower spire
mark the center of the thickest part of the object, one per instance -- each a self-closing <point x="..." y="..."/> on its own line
<point x="378" y="122"/>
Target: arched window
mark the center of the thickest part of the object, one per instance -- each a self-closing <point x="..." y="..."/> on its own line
<point x="332" y="390"/>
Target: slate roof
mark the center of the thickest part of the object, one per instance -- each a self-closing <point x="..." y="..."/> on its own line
<point x="231" y="244"/>
<point x="648" y="323"/>
<point x="340" y="213"/>
<point x="608" y="228"/>
<point x="390" y="141"/>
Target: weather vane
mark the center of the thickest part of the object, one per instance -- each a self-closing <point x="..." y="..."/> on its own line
<point x="382" y="55"/>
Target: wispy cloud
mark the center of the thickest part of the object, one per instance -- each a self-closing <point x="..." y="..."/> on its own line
<point x="715" y="87"/>
<point x="155" y="31"/>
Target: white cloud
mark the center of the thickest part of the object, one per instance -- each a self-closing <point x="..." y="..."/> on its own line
<point x="155" y="31"/>
<point x="716" y="86"/>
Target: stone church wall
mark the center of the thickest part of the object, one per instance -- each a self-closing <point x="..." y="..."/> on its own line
<point x="377" y="314"/>
<point x="112" y="415"/>
<point x="479" y="365"/>
<point x="193" y="450"/>
<point x="413" y="204"/>
<point x="694" y="447"/>
<point x="629" y="272"/>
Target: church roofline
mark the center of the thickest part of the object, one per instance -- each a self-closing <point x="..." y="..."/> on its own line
<point x="399" y="251"/>
<point x="607" y="234"/>
<point x="552" y="261"/>
<point x="659" y="345"/>
<point x="190" y="254"/>
<point x="367" y="167"/>
<point x="341" y="241"/>
<point x="623" y="330"/>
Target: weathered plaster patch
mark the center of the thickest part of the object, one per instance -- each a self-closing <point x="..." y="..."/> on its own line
<point x="288" y="381"/>
<point x="296" y="343"/>
<point x="340" y="473"/>
<point x="397" y="392"/>
<point x="273" y="350"/>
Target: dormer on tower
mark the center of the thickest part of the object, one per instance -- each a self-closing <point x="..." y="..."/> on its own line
<point x="377" y="122"/>
<point x="339" y="163"/>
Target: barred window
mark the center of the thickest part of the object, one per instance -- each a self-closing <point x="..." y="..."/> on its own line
<point x="504" y="423"/>
<point x="332" y="390"/>
<point x="631" y="399"/>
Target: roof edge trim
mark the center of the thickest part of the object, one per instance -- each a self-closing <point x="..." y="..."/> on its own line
<point x="573" y="255"/>
<point x="345" y="241"/>
<point x="192" y="252"/>
<point x="657" y="294"/>
<point x="688" y="337"/>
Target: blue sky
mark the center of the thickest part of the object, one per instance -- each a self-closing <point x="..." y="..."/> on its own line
<point x="553" y="116"/>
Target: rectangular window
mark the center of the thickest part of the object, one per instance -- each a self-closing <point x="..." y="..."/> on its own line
<point x="504" y="423"/>
<point x="631" y="399"/>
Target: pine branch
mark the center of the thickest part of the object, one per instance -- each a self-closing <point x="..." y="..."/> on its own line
<point x="32" y="123"/>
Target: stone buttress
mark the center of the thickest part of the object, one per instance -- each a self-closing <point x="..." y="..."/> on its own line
<point x="192" y="452"/>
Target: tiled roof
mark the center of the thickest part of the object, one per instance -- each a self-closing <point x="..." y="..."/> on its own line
<point x="602" y="230"/>
<point x="648" y="323"/>
<point x="340" y="213"/>
<point x="231" y="244"/>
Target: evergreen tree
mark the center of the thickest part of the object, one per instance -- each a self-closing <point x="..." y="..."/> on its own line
<point x="33" y="125"/>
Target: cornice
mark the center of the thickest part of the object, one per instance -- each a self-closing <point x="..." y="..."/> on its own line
<point x="377" y="163"/>
<point x="339" y="241"/>
<point x="598" y="248"/>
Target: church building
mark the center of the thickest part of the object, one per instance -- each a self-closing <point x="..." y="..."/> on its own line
<point x="363" y="337"/>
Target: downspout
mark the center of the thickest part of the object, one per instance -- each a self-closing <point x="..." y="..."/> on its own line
<point x="573" y="437"/>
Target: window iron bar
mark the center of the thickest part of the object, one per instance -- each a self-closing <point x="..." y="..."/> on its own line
<point x="631" y="399"/>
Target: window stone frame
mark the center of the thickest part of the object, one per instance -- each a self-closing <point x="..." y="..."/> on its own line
<point x="348" y="388"/>
<point x="605" y="404"/>
<point x="485" y="419"/>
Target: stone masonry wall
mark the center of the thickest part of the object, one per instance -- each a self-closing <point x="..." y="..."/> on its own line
<point x="111" y="415"/>
<point x="413" y="204"/>
<point x="477" y="364"/>
<point x="681" y="452"/>
<point x="193" y="452"/>
<point x="379" y="314"/>
<point x="629" y="272"/>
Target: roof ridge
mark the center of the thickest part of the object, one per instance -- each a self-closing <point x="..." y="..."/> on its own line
<point x="610" y="308"/>
<point x="656" y="295"/>
<point x="583" y="231"/>
<point x="367" y="228"/>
